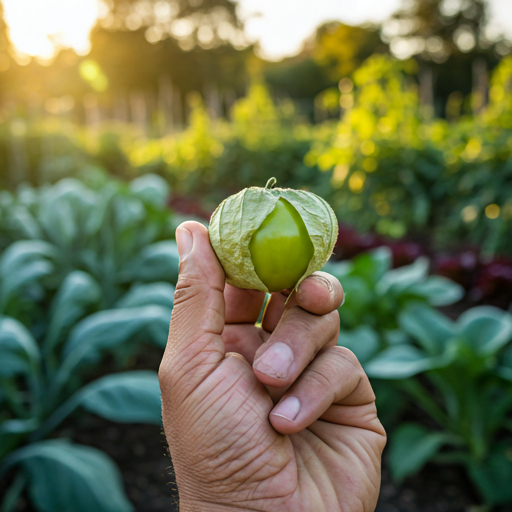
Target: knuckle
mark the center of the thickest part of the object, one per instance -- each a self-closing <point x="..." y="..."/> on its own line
<point x="346" y="356"/>
<point x="187" y="288"/>
<point x="299" y="318"/>
<point x="165" y="376"/>
<point x="319" y="379"/>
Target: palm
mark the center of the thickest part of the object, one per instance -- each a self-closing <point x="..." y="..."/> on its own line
<point x="325" y="467"/>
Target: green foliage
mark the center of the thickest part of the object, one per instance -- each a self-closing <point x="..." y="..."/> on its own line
<point x="117" y="233"/>
<point x="86" y="273"/>
<point x="92" y="480"/>
<point x="42" y="384"/>
<point x="397" y="170"/>
<point x="459" y="374"/>
<point x="376" y="294"/>
<point x="387" y="165"/>
<point x="341" y="49"/>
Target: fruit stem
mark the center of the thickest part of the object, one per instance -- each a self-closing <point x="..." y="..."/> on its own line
<point x="270" y="183"/>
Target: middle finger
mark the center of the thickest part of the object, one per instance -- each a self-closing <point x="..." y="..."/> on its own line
<point x="298" y="337"/>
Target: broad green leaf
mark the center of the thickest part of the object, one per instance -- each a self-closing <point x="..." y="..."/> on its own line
<point x="383" y="258"/>
<point x="19" y="352"/>
<point x="358" y="301"/>
<point x="24" y="222"/>
<point x="151" y="189"/>
<point x="486" y="328"/>
<point x="72" y="478"/>
<point x="156" y="262"/>
<point x="401" y="279"/>
<point x="373" y="265"/>
<point x="402" y="362"/>
<point x="363" y="341"/>
<point x="128" y="211"/>
<point x="11" y="431"/>
<point x="428" y="326"/>
<point x="110" y="328"/>
<point x="131" y="397"/>
<point x="75" y="296"/>
<point x="98" y="216"/>
<point x="395" y="337"/>
<point x="339" y="269"/>
<point x="438" y="290"/>
<point x="64" y="209"/>
<point x="24" y="262"/>
<point x="505" y="368"/>
<point x="412" y="446"/>
<point x="160" y="294"/>
<point x="107" y="329"/>
<point x="493" y="476"/>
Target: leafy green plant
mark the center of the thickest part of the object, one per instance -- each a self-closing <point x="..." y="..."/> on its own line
<point x="43" y="381"/>
<point x="119" y="234"/>
<point x="396" y="169"/>
<point x="376" y="294"/>
<point x="23" y="266"/>
<point x="460" y="374"/>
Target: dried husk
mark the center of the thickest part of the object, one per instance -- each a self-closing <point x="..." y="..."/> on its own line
<point x="237" y="218"/>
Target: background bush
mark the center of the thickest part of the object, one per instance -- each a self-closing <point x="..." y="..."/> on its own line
<point x="387" y="166"/>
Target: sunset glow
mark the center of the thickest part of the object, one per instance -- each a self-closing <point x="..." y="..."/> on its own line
<point x="39" y="27"/>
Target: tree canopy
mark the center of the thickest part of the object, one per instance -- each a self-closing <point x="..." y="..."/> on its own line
<point x="204" y="22"/>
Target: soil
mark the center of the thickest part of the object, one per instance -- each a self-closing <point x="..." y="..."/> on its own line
<point x="140" y="452"/>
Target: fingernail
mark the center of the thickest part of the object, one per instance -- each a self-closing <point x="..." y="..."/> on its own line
<point x="276" y="361"/>
<point x="287" y="409"/>
<point x="185" y="241"/>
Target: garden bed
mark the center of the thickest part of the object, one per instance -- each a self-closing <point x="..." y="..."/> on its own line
<point x="141" y="454"/>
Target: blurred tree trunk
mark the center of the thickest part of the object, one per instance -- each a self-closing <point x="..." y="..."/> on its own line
<point x="165" y="103"/>
<point x="480" y="84"/>
<point x="426" y="89"/>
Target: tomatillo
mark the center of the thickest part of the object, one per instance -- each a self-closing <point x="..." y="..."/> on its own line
<point x="281" y="248"/>
<point x="271" y="239"/>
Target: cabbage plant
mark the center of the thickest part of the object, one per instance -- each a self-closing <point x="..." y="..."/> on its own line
<point x="460" y="374"/>
<point x="43" y="379"/>
<point x="119" y="234"/>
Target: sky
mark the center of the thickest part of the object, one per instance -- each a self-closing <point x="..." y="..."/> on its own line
<point x="279" y="25"/>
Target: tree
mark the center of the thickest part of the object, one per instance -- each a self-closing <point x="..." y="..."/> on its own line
<point x="436" y="29"/>
<point x="333" y="52"/>
<point x="204" y="22"/>
<point x="341" y="48"/>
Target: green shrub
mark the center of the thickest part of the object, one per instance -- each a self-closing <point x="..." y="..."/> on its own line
<point x="460" y="374"/>
<point x="42" y="383"/>
<point x="119" y="234"/>
<point x="396" y="170"/>
<point x="86" y="271"/>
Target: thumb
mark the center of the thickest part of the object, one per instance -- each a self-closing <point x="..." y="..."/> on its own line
<point x="194" y="347"/>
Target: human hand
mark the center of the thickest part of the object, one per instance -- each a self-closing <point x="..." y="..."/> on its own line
<point x="232" y="449"/>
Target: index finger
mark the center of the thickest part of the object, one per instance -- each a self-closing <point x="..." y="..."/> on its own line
<point x="320" y="294"/>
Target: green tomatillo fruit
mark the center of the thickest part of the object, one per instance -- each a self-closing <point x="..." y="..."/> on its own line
<point x="271" y="239"/>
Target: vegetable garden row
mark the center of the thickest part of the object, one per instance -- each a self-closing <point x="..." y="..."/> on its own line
<point x="87" y="273"/>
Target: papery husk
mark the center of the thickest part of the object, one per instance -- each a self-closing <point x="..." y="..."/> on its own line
<point x="237" y="218"/>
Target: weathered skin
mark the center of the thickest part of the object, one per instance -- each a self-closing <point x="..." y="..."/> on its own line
<point x="232" y="448"/>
